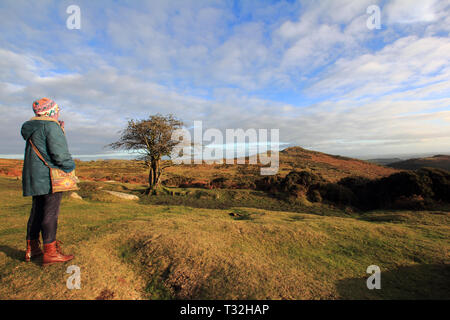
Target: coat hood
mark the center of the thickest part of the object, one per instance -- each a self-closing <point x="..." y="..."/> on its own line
<point x="35" y="123"/>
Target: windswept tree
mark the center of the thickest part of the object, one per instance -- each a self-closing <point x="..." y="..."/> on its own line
<point x="152" y="139"/>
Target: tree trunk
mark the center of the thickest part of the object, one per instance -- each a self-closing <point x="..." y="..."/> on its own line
<point x="157" y="171"/>
<point x="154" y="176"/>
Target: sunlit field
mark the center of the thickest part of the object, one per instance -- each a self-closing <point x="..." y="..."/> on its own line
<point x="139" y="250"/>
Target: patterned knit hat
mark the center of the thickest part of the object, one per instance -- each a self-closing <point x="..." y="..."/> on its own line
<point x="46" y="107"/>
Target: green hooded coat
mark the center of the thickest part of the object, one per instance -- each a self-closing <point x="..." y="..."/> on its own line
<point x="49" y="138"/>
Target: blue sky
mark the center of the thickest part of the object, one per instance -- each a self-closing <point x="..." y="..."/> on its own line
<point x="309" y="68"/>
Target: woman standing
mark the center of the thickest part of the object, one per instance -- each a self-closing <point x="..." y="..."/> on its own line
<point x="47" y="134"/>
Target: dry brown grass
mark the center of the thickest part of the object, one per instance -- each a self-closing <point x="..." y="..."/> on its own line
<point x="227" y="259"/>
<point x="330" y="167"/>
<point x="129" y="250"/>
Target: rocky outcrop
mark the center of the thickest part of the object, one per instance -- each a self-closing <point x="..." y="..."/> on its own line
<point x="75" y="196"/>
<point x="122" y="195"/>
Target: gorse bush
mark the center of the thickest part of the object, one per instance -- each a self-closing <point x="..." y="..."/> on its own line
<point x="221" y="183"/>
<point x="440" y="180"/>
<point x="336" y="193"/>
<point x="414" y="202"/>
<point x="315" y="196"/>
<point x="292" y="183"/>
<point x="359" y="187"/>
<point x="405" y="190"/>
<point x="268" y="183"/>
<point x="302" y="178"/>
<point x="406" y="184"/>
<point x="177" y="180"/>
<point x="397" y="190"/>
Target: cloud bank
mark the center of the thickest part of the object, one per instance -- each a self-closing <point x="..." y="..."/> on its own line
<point x="310" y="68"/>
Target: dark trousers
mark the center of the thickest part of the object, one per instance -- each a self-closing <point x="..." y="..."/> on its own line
<point x="44" y="217"/>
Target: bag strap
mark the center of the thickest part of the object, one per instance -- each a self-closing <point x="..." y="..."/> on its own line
<point x="37" y="152"/>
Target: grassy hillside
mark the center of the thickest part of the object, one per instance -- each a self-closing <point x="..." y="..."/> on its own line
<point x="332" y="168"/>
<point x="137" y="250"/>
<point x="438" y="161"/>
<point x="384" y="161"/>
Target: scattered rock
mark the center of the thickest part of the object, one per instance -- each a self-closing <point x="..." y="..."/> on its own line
<point x="122" y="195"/>
<point x="76" y="196"/>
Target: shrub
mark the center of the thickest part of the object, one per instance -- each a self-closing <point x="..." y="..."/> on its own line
<point x="354" y="183"/>
<point x="406" y="184"/>
<point x="302" y="178"/>
<point x="360" y="188"/>
<point x="221" y="183"/>
<point x="176" y="181"/>
<point x="268" y="183"/>
<point x="87" y="189"/>
<point x="336" y="193"/>
<point x="314" y="196"/>
<point x="409" y="203"/>
<point x="298" y="191"/>
<point x="406" y="189"/>
<point x="440" y="180"/>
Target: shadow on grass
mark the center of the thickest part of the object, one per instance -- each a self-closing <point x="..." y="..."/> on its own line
<point x="424" y="281"/>
<point x="18" y="255"/>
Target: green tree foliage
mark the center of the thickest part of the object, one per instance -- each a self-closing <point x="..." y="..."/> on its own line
<point x="152" y="139"/>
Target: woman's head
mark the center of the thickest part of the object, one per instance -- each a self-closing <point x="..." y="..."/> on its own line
<point x="46" y="108"/>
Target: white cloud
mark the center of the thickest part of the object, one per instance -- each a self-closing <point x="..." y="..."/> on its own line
<point x="371" y="92"/>
<point x="408" y="63"/>
<point x="412" y="11"/>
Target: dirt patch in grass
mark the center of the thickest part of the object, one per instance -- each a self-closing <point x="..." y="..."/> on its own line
<point x="106" y="294"/>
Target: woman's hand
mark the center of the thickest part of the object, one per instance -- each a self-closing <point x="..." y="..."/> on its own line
<point x="61" y="123"/>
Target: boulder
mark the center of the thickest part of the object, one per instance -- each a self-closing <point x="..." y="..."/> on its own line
<point x="122" y="195"/>
<point x="76" y="196"/>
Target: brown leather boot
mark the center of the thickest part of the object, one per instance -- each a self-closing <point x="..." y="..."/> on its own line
<point x="53" y="254"/>
<point x="33" y="249"/>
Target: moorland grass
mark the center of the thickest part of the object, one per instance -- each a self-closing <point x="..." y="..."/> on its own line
<point x="139" y="250"/>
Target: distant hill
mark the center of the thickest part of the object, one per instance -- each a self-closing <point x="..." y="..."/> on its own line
<point x="330" y="167"/>
<point x="384" y="161"/>
<point x="437" y="161"/>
